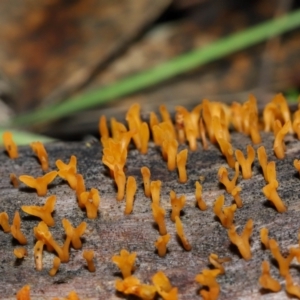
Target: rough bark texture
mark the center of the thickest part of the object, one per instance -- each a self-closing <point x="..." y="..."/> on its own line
<point x="112" y="230"/>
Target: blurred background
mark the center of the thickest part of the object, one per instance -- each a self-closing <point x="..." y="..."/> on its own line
<point x="63" y="63"/>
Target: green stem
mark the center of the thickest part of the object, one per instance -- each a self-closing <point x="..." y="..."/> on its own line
<point x="165" y="71"/>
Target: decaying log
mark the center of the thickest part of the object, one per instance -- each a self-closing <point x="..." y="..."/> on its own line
<point x="113" y="230"/>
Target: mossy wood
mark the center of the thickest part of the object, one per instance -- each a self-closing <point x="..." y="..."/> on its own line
<point x="113" y="231"/>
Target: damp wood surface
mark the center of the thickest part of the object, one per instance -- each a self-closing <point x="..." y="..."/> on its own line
<point x="113" y="231"/>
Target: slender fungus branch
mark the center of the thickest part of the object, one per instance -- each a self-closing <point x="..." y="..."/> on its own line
<point x="159" y="217"/>
<point x="266" y="281"/>
<point x="155" y="187"/>
<point x="77" y="233"/>
<point x="235" y="193"/>
<point x="223" y="177"/>
<point x="145" y="134"/>
<point x="283" y="263"/>
<point x="120" y="180"/>
<point x="91" y="201"/>
<point x="70" y="176"/>
<point x="208" y="278"/>
<point x="88" y="255"/>
<point x="4" y="222"/>
<point x="72" y="164"/>
<point x="225" y="214"/>
<point x="246" y="164"/>
<point x="172" y="147"/>
<point x="16" y="229"/>
<point x="264" y="237"/>
<point x="20" y="252"/>
<point x="242" y="241"/>
<point x="56" y="264"/>
<point x="202" y="134"/>
<point x="198" y="194"/>
<point x="24" y="293"/>
<point x="271" y="194"/>
<point x="130" y="193"/>
<point x="180" y="233"/>
<point x="217" y="262"/>
<point x="43" y="212"/>
<point x="14" y="180"/>
<point x="279" y="146"/>
<point x="38" y="255"/>
<point x="39" y="149"/>
<point x="69" y="231"/>
<point x="290" y="287"/>
<point x="10" y="146"/>
<point x="39" y="183"/>
<point x="296" y="123"/>
<point x="177" y="205"/>
<point x="164" y="287"/>
<point x="103" y="130"/>
<point x="80" y="188"/>
<point x="154" y="121"/>
<point x="263" y="160"/>
<point x="125" y="262"/>
<point x="146" y="179"/>
<point x="161" y="244"/>
<point x="181" y="159"/>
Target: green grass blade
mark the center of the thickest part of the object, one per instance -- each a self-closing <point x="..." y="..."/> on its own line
<point x="167" y="70"/>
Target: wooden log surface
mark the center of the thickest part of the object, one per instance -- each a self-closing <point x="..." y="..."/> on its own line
<point x="112" y="230"/>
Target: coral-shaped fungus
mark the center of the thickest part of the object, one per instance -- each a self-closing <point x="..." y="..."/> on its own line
<point x="223" y="177"/>
<point x="39" y="149"/>
<point x="102" y="126"/>
<point x="296" y="123"/>
<point x="264" y="237"/>
<point x="145" y="135"/>
<point x="146" y="180"/>
<point x="155" y="187"/>
<point x="68" y="171"/>
<point x="208" y="278"/>
<point x="161" y="244"/>
<point x="39" y="183"/>
<point x="177" y="204"/>
<point x="181" y="159"/>
<point x="198" y="195"/>
<point x="125" y="262"/>
<point x="246" y="163"/>
<point x="225" y="214"/>
<point x="279" y="146"/>
<point x="20" y="252"/>
<point x="4" y="222"/>
<point x="290" y="287"/>
<point x="164" y="287"/>
<point x="266" y="281"/>
<point x="55" y="267"/>
<point x="217" y="262"/>
<point x="235" y="193"/>
<point x="263" y="160"/>
<point x="130" y="193"/>
<point x="270" y="191"/>
<point x="16" y="229"/>
<point x="242" y="241"/>
<point x="24" y="293"/>
<point x="10" y="146"/>
<point x="179" y="229"/>
<point x="43" y="212"/>
<point x="91" y="201"/>
<point x="120" y="181"/>
<point x="88" y="255"/>
<point x="159" y="217"/>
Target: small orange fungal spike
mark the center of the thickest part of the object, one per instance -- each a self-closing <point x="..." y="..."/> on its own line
<point x="20" y="252"/>
<point x="208" y="278"/>
<point x="159" y="218"/>
<point x="202" y="134"/>
<point x="217" y="262"/>
<point x="264" y="237"/>
<point x="130" y="193"/>
<point x="246" y="164"/>
<point x="225" y="214"/>
<point x="43" y="212"/>
<point x="266" y="281"/>
<point x="88" y="255"/>
<point x="263" y="160"/>
<point x="146" y="179"/>
<point x="198" y="194"/>
<point x="14" y="180"/>
<point x="91" y="201"/>
<point x="38" y="255"/>
<point x="291" y="289"/>
<point x="63" y="166"/>
<point x="39" y="183"/>
<point x="235" y="193"/>
<point x="271" y="194"/>
<point x="155" y="187"/>
<point x="103" y="130"/>
<point x="179" y="229"/>
<point x="120" y="180"/>
<point x="279" y="146"/>
<point x="164" y="287"/>
<point x="177" y="204"/>
<point x="24" y="293"/>
<point x="181" y="159"/>
<point x="125" y="262"/>
<point x="242" y="241"/>
<point x="10" y="146"/>
<point x="70" y="176"/>
<point x="16" y="229"/>
<point x="4" y="222"/>
<point x="39" y="149"/>
<point x="161" y="244"/>
<point x="145" y="134"/>
<point x="56" y="264"/>
<point x="223" y="177"/>
<point x="172" y="147"/>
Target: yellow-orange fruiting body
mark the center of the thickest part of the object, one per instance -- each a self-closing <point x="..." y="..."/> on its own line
<point x="69" y="231"/>
<point x="263" y="160"/>
<point x="177" y="204"/>
<point x="130" y="193"/>
<point x="271" y="194"/>
<point x="159" y="218"/>
<point x="202" y="134"/>
<point x="181" y="159"/>
<point x="153" y="121"/>
<point x="80" y="188"/>
<point x="246" y="164"/>
<point x="155" y="187"/>
<point x="217" y="262"/>
<point x="10" y="146"/>
<point x="43" y="212"/>
<point x="20" y="252"/>
<point x="39" y="183"/>
<point x="146" y="179"/>
<point x="4" y="222"/>
<point x="297" y="165"/>
<point x="103" y="130"/>
<point x="198" y="194"/>
<point x="88" y="255"/>
<point x="164" y="287"/>
<point x="225" y="214"/>
<point x="242" y="241"/>
<point x="172" y="147"/>
<point x="296" y="123"/>
<point x="179" y="125"/>
<point x="236" y="116"/>
<point x="134" y="123"/>
<point x="180" y="233"/>
<point x="145" y="135"/>
<point x="24" y="293"/>
<point x="282" y="104"/>
<point x="161" y="244"/>
<point x="264" y="237"/>
<point x="14" y="180"/>
<point x="91" y="201"/>
<point x="208" y="278"/>
<point x="266" y="281"/>
<point x="70" y="176"/>
<point x="223" y="177"/>
<point x="120" y="180"/>
<point x="235" y="193"/>
<point x="290" y="287"/>
<point x="39" y="149"/>
<point x="16" y="229"/>
<point x="283" y="263"/>
<point x="56" y="264"/>
<point x="125" y="262"/>
<point x="279" y="146"/>
<point x="72" y="164"/>
<point x="38" y="255"/>
<point x="254" y="128"/>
